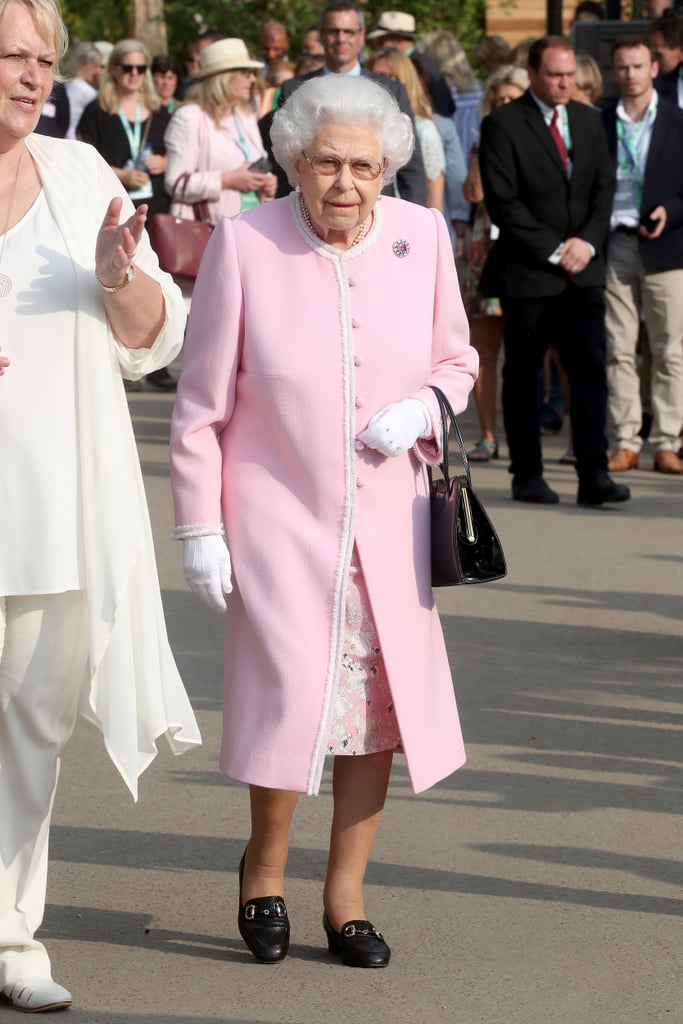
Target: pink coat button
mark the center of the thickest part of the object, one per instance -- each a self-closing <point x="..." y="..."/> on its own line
<point x="360" y="402"/>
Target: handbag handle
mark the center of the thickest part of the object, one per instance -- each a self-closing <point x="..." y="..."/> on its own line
<point x="448" y="420"/>
<point x="200" y="209"/>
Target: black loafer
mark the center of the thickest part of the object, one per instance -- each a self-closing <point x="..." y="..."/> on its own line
<point x="358" y="943"/>
<point x="535" y="491"/>
<point x="264" y="925"/>
<point x="599" y="489"/>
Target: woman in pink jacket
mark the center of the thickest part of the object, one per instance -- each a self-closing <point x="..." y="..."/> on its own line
<point x="213" y="143"/>
<point x="302" y="427"/>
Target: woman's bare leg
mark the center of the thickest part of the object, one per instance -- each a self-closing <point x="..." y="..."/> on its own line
<point x="486" y="335"/>
<point x="266" y="857"/>
<point x="359" y="789"/>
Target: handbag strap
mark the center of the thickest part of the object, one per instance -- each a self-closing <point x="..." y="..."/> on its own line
<point x="200" y="209"/>
<point x="448" y="420"/>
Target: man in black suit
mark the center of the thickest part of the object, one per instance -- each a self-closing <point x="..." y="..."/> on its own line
<point x="666" y="37"/>
<point x="342" y="31"/>
<point x="644" y="259"/>
<point x="396" y="28"/>
<point x="548" y="183"/>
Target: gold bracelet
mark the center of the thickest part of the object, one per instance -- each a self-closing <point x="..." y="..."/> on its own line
<point x="129" y="275"/>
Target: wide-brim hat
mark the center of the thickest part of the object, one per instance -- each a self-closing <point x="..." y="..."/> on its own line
<point x="394" y="23"/>
<point x="225" y="55"/>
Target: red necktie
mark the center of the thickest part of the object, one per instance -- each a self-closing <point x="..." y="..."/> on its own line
<point x="559" y="141"/>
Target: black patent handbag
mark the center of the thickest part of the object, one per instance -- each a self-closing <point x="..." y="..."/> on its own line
<point x="465" y="547"/>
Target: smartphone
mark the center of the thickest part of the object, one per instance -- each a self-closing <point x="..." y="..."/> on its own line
<point x="262" y="166"/>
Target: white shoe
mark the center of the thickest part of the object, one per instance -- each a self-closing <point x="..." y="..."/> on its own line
<point x="35" y="995"/>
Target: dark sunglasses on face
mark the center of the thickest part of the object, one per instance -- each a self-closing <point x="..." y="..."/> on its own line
<point x="128" y="69"/>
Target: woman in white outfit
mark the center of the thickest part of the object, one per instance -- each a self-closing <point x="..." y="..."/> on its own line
<point x="81" y="626"/>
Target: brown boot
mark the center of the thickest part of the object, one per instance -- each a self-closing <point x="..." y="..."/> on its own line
<point x="623" y="459"/>
<point x="667" y="462"/>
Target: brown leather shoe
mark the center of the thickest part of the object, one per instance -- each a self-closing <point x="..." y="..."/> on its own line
<point x="622" y="460"/>
<point x="667" y="462"/>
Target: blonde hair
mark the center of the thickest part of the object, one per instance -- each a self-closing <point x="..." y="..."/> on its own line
<point x="445" y="49"/>
<point x="109" y="98"/>
<point x="48" y="18"/>
<point x="588" y="76"/>
<point x="215" y="96"/>
<point x="507" y="75"/>
<point x="403" y="70"/>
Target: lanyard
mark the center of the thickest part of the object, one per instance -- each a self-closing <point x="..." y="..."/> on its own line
<point x="631" y="140"/>
<point x="241" y="139"/>
<point x="133" y="135"/>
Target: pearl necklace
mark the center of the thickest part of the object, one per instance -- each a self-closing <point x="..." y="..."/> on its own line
<point x="5" y="279"/>
<point x="306" y="214"/>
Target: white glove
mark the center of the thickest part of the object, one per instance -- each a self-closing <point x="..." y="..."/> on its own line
<point x="396" y="428"/>
<point x="208" y="571"/>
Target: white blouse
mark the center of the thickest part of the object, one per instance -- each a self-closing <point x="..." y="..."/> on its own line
<point x="431" y="146"/>
<point x="40" y="524"/>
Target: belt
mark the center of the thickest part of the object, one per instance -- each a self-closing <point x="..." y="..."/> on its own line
<point x="624" y="229"/>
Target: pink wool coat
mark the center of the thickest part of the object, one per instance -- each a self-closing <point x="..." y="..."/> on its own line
<point x="292" y="347"/>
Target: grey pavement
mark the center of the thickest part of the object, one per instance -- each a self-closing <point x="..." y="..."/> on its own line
<point x="541" y="884"/>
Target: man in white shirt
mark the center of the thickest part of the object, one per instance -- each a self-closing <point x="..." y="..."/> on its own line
<point x="83" y="66"/>
<point x="644" y="260"/>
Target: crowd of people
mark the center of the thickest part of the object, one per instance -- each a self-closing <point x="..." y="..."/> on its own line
<point x="419" y="224"/>
<point x="202" y="121"/>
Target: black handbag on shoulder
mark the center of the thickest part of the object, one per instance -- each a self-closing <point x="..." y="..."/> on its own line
<point x="464" y="544"/>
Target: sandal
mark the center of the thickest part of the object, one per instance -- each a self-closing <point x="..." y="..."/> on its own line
<point x="483" y="451"/>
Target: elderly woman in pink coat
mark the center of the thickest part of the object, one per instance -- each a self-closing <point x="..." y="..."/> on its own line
<point x="302" y="427"/>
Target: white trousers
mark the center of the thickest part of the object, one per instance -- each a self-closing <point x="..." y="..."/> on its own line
<point x="43" y="673"/>
<point x="661" y="295"/>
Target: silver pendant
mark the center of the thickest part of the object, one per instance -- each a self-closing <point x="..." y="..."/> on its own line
<point x="5" y="285"/>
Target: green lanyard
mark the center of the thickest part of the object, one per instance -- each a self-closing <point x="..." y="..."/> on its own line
<point x="249" y="199"/>
<point x="134" y="134"/>
<point x="631" y="140"/>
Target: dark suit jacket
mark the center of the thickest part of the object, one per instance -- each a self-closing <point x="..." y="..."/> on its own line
<point x="439" y="90"/>
<point x="535" y="205"/>
<point x="411" y="179"/>
<point x="666" y="85"/>
<point x="663" y="185"/>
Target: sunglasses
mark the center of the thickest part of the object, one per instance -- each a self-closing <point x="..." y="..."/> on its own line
<point x="128" y="69"/>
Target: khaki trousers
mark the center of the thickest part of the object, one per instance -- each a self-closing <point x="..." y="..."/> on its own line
<point x="630" y="287"/>
<point x="43" y="672"/>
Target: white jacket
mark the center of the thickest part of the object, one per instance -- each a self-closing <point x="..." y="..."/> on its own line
<point x="136" y="693"/>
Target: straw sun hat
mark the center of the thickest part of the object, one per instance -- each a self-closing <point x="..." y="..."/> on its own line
<point x="394" y="23"/>
<point x="224" y="55"/>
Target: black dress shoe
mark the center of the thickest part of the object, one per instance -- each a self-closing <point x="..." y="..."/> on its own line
<point x="162" y="380"/>
<point x="264" y="925"/>
<point x="534" y="490"/>
<point x="596" y="490"/>
<point x="358" y="943"/>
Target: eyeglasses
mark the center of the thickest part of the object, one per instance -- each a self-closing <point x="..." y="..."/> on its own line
<point x="128" y="69"/>
<point x="349" y="32"/>
<point x="330" y="167"/>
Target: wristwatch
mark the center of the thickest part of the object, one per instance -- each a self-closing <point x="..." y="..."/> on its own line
<point x="130" y="274"/>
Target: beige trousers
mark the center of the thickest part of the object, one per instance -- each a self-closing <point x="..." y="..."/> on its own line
<point x="630" y="287"/>
<point x="43" y="672"/>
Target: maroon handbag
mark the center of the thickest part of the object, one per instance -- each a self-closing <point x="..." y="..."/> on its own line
<point x="180" y="243"/>
<point x="464" y="544"/>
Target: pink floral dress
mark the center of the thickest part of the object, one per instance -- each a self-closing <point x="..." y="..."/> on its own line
<point x="365" y="720"/>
